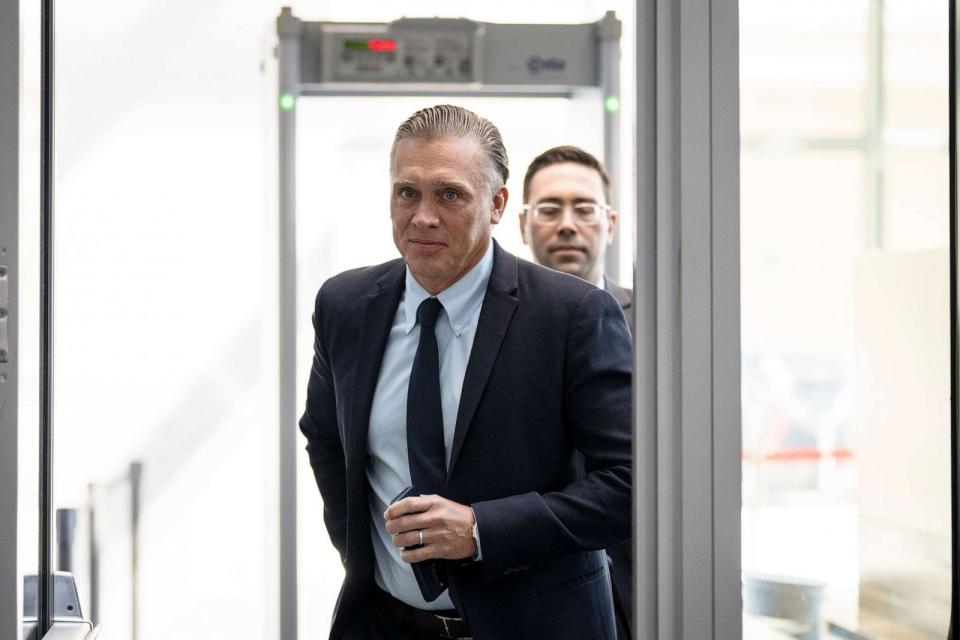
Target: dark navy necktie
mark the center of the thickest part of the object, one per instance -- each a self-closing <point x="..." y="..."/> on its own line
<point x="428" y="462"/>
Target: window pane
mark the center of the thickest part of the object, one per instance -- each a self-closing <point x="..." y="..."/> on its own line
<point x="915" y="67"/>
<point x="916" y="199"/>
<point x="803" y="71"/>
<point x="915" y="106"/>
<point x="802" y="227"/>
<point x="801" y="219"/>
<point x="846" y="381"/>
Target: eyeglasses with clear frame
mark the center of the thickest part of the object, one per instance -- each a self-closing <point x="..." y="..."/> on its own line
<point x="585" y="214"/>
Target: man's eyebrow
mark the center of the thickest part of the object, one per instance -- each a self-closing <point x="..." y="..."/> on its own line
<point x="453" y="184"/>
<point x="440" y="184"/>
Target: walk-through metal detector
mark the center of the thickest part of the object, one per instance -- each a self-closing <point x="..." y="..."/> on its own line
<point x="415" y="57"/>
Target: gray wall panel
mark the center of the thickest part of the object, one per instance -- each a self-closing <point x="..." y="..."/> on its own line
<point x="9" y="177"/>
<point x="695" y="302"/>
<point x="645" y="327"/>
<point x="725" y="129"/>
<point x="669" y="480"/>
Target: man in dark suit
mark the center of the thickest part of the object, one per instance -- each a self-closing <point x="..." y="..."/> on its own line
<point x="568" y="223"/>
<point x="489" y="384"/>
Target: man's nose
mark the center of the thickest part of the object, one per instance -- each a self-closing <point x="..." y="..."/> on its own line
<point x="568" y="224"/>
<point x="425" y="216"/>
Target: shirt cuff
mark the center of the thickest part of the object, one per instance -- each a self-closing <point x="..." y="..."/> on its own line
<point x="478" y="554"/>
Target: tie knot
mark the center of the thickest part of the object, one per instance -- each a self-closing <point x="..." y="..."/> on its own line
<point x="427" y="313"/>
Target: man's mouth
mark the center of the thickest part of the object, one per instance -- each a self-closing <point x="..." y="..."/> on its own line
<point x="566" y="248"/>
<point x="424" y="247"/>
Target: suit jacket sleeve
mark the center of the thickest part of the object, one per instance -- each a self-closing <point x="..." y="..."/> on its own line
<point x="595" y="511"/>
<point x="324" y="446"/>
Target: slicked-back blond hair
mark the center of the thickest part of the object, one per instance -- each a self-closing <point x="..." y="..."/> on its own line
<point x="447" y="120"/>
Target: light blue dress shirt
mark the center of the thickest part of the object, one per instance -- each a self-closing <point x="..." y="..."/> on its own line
<point x="388" y="467"/>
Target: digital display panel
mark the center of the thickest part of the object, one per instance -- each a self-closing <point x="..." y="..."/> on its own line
<point x="371" y="44"/>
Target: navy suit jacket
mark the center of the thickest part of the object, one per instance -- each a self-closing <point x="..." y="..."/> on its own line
<point x="548" y="376"/>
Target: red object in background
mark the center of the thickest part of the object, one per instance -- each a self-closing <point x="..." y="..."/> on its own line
<point x="382" y="45"/>
<point x="788" y="455"/>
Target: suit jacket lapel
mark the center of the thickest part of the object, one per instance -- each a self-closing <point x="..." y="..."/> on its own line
<point x="379" y="310"/>
<point x="499" y="304"/>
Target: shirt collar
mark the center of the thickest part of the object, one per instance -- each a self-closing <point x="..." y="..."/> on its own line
<point x="460" y="300"/>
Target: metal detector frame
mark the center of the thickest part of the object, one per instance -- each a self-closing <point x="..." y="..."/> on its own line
<point x="299" y="76"/>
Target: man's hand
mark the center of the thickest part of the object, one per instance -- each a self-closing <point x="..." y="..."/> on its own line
<point x="447" y="528"/>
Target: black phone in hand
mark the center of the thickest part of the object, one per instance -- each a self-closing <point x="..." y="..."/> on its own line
<point x="431" y="575"/>
<point x="406" y="493"/>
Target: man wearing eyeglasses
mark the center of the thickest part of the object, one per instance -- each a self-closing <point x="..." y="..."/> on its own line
<point x="568" y="223"/>
<point x="566" y="218"/>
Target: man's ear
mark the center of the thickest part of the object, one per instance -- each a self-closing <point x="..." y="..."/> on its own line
<point x="524" y="229"/>
<point x="499" y="204"/>
<point x="611" y="225"/>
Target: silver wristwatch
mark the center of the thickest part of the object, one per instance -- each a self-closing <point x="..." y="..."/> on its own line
<point x="476" y="541"/>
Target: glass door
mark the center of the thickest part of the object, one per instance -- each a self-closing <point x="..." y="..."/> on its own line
<point x="846" y="330"/>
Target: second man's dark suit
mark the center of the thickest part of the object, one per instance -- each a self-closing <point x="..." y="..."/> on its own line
<point x="624" y="298"/>
<point x="621" y="555"/>
<point x="548" y="377"/>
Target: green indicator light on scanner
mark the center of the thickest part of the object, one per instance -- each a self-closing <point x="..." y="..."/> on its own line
<point x="612" y="103"/>
<point x="286" y="101"/>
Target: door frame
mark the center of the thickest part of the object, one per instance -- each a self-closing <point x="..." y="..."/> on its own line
<point x="687" y="333"/>
<point x="10" y="573"/>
